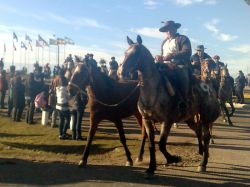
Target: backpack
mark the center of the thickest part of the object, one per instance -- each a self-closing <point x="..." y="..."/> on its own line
<point x="40" y="101"/>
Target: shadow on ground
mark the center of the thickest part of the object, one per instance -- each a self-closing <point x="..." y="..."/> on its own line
<point x="22" y="172"/>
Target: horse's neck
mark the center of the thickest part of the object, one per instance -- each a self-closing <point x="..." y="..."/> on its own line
<point x="99" y="84"/>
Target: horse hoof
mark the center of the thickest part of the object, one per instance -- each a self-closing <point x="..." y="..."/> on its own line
<point x="212" y="141"/>
<point x="138" y="160"/>
<point x="224" y="120"/>
<point x="173" y="159"/>
<point x="82" y="164"/>
<point x="129" y="163"/>
<point x="201" y="169"/>
<point x="200" y="152"/>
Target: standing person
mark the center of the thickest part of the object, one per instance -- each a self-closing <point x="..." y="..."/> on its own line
<point x="1" y="64"/>
<point x="176" y="50"/>
<point x="31" y="90"/>
<point x="18" y="98"/>
<point x="11" y="90"/>
<point x="91" y="60"/>
<point x="80" y="101"/>
<point x="62" y="105"/>
<point x="104" y="68"/>
<point x="197" y="58"/>
<point x="3" y="88"/>
<point x="113" y="65"/>
<point x="240" y="85"/>
<point x="217" y="66"/>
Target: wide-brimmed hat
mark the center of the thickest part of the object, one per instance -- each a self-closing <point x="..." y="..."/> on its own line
<point x="168" y="25"/>
<point x="200" y="48"/>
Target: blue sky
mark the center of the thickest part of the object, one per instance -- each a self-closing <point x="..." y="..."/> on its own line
<point x="101" y="27"/>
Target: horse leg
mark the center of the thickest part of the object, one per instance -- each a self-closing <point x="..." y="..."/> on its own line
<point x="144" y="136"/>
<point x="223" y="111"/>
<point x="151" y="136"/>
<point x="119" y="126"/>
<point x="93" y="127"/>
<point x="232" y="107"/>
<point x="211" y="132"/>
<point x="165" y="129"/>
<point x="206" y="139"/>
<point x="197" y="128"/>
<point x="227" y="114"/>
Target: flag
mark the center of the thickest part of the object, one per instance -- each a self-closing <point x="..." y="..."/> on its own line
<point x="69" y="41"/>
<point x="60" y="41"/>
<point x="28" y="38"/>
<point x="14" y="47"/>
<point x="15" y="36"/>
<point x="38" y="44"/>
<point x="30" y="46"/>
<point x="52" y="42"/>
<point x="4" y="48"/>
<point x="40" y="39"/>
<point x="23" y="45"/>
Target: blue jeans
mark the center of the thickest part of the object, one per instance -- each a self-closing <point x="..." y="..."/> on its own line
<point x="64" y="118"/>
<point x="77" y="123"/>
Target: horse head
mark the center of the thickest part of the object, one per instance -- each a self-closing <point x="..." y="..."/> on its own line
<point x="206" y="69"/>
<point x="134" y="55"/>
<point x="79" y="79"/>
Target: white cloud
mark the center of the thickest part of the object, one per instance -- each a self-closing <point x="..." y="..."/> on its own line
<point x="9" y="9"/>
<point x="76" y="22"/>
<point x="242" y="49"/>
<point x="190" y="2"/>
<point x="212" y="26"/>
<point x="150" y="4"/>
<point x="149" y="32"/>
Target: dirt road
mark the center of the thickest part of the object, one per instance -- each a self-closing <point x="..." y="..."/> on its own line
<point x="229" y="164"/>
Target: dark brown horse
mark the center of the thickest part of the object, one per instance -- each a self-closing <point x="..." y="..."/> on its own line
<point x="155" y="103"/>
<point x="226" y="94"/>
<point x="108" y="100"/>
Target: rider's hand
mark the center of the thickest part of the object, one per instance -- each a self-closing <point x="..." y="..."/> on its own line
<point x="158" y="58"/>
<point x="168" y="57"/>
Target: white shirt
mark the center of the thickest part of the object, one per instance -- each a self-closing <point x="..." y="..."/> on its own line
<point x="169" y="47"/>
<point x="62" y="98"/>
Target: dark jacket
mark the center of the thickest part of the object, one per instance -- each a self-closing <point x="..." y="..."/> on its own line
<point x="32" y="88"/>
<point x="4" y="84"/>
<point x="184" y="50"/>
<point x="196" y="60"/>
<point x="80" y="101"/>
<point x="240" y="82"/>
<point x="18" y="94"/>
<point x="113" y="65"/>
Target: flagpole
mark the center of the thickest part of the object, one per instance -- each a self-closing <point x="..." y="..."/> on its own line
<point x="58" y="54"/>
<point x="42" y="55"/>
<point x="64" y="52"/>
<point x="20" y="61"/>
<point x="25" y="65"/>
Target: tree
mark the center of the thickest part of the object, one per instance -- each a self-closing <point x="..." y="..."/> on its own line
<point x="248" y="2"/>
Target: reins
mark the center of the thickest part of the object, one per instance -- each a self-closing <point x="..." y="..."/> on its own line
<point x="120" y="102"/>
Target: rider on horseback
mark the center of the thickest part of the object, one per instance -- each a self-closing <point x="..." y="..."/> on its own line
<point x="197" y="59"/>
<point x="176" y="50"/>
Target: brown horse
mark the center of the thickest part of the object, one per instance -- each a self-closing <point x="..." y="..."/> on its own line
<point x="225" y="93"/>
<point x="155" y="103"/>
<point x="108" y="100"/>
<point x="209" y="77"/>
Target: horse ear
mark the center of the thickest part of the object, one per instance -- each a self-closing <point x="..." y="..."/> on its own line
<point x="130" y="42"/>
<point x="139" y="40"/>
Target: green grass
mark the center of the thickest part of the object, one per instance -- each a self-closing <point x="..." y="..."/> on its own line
<point x="41" y="143"/>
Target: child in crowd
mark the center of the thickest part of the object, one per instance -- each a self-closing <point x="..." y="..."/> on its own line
<point x="62" y="105"/>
